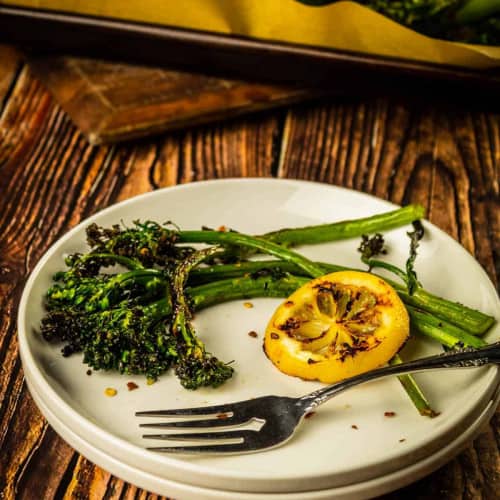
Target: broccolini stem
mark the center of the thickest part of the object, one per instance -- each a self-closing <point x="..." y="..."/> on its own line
<point x="217" y="292"/>
<point x="239" y="239"/>
<point x="181" y="322"/>
<point x="342" y="230"/>
<point x="322" y="233"/>
<point x="141" y="275"/>
<point x="147" y="277"/>
<point x="159" y="309"/>
<point x="374" y="263"/>
<point x="445" y="333"/>
<point x="243" y="288"/>
<point x="267" y="286"/>
<point x="252" y="267"/>
<point x="414" y="392"/>
<point x="471" y="320"/>
<point x="468" y="319"/>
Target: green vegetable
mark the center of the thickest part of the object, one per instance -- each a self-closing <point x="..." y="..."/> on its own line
<point x="323" y="233"/>
<point x="130" y="339"/>
<point x="472" y="21"/>
<point x="414" y="392"/>
<point x="139" y="320"/>
<point x="276" y="285"/>
<point x="469" y="320"/>
<point x="342" y="230"/>
<point x="372" y="246"/>
<point x="194" y="366"/>
<point x="260" y="244"/>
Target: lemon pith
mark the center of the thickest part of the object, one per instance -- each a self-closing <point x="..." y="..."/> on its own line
<point x="337" y="326"/>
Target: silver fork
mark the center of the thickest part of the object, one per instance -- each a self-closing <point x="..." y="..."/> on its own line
<point x="278" y="416"/>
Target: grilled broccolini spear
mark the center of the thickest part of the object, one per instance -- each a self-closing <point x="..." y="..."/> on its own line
<point x="194" y="366"/>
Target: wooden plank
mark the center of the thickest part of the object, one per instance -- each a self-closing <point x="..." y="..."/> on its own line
<point x="405" y="152"/>
<point x="110" y="102"/>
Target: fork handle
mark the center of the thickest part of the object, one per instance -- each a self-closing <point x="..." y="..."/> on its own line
<point x="463" y="358"/>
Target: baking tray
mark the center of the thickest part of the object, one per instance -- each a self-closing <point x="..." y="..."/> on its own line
<point x="236" y="56"/>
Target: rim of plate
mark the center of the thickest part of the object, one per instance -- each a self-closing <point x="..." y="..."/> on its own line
<point x="201" y="474"/>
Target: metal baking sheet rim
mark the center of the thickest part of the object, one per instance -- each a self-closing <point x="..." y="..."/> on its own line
<point x="281" y="62"/>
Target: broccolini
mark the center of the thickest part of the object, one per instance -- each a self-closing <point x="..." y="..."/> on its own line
<point x="472" y="21"/>
<point x="138" y="320"/>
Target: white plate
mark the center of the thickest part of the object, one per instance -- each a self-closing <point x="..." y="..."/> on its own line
<point x="183" y="491"/>
<point x="327" y="452"/>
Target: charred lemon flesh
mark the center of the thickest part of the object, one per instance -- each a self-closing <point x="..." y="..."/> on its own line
<point x="337" y="326"/>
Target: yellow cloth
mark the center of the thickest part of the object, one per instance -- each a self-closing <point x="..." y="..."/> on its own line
<point x="342" y="25"/>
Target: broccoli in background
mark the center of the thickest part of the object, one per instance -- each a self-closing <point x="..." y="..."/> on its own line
<point x="127" y="321"/>
<point x="471" y="21"/>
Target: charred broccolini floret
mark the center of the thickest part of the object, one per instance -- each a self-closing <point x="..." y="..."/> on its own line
<point x="119" y="321"/>
<point x="100" y="292"/>
<point x="130" y="339"/>
<point x="125" y="321"/>
<point x="116" y="320"/>
<point x="373" y="246"/>
<point x="149" y="243"/>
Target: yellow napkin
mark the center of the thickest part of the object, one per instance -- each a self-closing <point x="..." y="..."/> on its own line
<point x="343" y="26"/>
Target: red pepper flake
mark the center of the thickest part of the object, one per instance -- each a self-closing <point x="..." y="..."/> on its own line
<point x="131" y="386"/>
<point x="222" y="416"/>
<point x="390" y="414"/>
<point x="310" y="414"/>
<point x="222" y="229"/>
<point x="253" y="334"/>
<point x="402" y="440"/>
<point x="353" y="426"/>
<point x="274" y="336"/>
<point x="248" y="305"/>
<point x="288" y="303"/>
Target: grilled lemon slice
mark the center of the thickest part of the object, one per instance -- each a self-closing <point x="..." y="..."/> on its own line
<point x="337" y="326"/>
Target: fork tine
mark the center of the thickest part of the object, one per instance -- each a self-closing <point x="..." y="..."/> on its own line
<point x="209" y="448"/>
<point x="206" y="436"/>
<point x="201" y="410"/>
<point x="211" y="422"/>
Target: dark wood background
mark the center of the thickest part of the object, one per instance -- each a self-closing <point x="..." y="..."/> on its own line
<point x="443" y="155"/>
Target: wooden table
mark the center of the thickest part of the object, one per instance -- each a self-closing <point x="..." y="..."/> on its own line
<point x="443" y="156"/>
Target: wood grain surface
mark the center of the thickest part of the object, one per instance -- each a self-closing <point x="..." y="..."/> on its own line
<point x="111" y="102"/>
<point x="446" y="157"/>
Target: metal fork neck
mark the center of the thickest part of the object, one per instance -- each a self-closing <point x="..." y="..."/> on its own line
<point x="464" y="358"/>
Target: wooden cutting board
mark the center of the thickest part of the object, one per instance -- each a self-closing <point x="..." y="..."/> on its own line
<point x="111" y="102"/>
